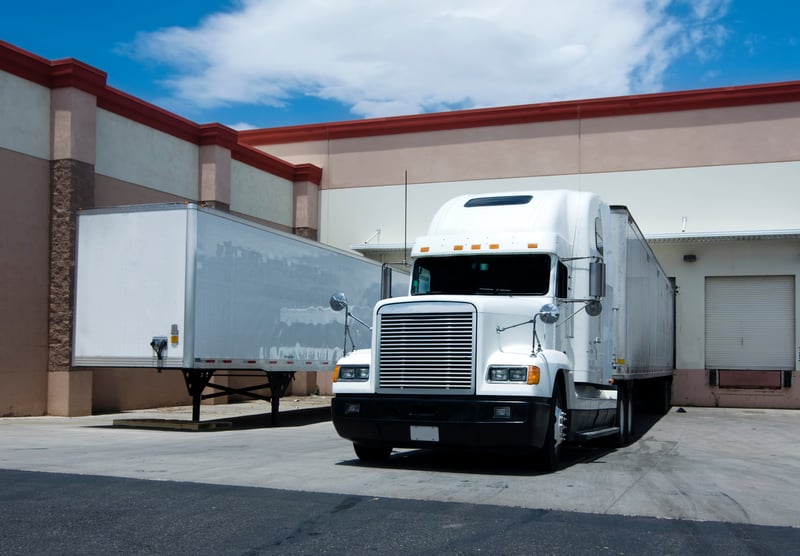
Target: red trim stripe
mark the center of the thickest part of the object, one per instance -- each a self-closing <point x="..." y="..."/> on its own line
<point x="531" y="113"/>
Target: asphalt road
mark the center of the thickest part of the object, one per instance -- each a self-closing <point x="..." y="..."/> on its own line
<point x="46" y="513"/>
<point x="711" y="481"/>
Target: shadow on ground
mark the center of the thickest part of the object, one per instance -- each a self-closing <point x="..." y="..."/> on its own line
<point x="285" y="419"/>
<point x="502" y="463"/>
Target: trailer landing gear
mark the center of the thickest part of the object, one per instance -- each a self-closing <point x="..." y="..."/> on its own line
<point x="197" y="380"/>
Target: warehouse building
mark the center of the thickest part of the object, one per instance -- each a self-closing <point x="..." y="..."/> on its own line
<point x="710" y="176"/>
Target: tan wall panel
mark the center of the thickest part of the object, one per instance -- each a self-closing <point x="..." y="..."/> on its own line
<point x="723" y="136"/>
<point x="124" y="389"/>
<point x="24" y="278"/>
<point x="742" y="135"/>
<point x="690" y="388"/>
<point x="110" y="192"/>
<point x="511" y="151"/>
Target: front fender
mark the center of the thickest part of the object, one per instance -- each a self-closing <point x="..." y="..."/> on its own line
<point x="550" y="362"/>
<point x="357" y="358"/>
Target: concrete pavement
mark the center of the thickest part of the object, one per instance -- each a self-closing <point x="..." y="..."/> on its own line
<point x="704" y="464"/>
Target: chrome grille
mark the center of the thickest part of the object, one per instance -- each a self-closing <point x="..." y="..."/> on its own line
<point x="426" y="350"/>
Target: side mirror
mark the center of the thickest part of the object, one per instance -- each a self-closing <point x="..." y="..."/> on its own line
<point x="594" y="308"/>
<point x="549" y="313"/>
<point x="338" y="301"/>
<point x="597" y="279"/>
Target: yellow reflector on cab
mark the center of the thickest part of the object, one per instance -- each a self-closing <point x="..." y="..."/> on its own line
<point x="533" y="245"/>
<point x="476" y="246"/>
<point x="494" y="246"/>
<point x="458" y="247"/>
<point x="424" y="249"/>
<point x="336" y="373"/>
<point x="534" y="374"/>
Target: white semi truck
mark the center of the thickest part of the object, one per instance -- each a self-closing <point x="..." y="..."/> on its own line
<point x="533" y="319"/>
<point x="185" y="287"/>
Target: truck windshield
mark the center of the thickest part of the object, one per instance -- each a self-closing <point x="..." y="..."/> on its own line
<point x="482" y="275"/>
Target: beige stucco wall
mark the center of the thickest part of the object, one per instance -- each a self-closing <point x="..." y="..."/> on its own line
<point x="132" y="152"/>
<point x="24" y="116"/>
<point x="261" y="195"/>
<point x="711" y="198"/>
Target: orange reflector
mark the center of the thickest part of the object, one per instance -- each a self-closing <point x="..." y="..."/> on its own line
<point x="534" y="373"/>
<point x="424" y="249"/>
<point x="336" y="373"/>
<point x="494" y="246"/>
<point x="475" y="246"/>
<point x="533" y="245"/>
<point x="458" y="247"/>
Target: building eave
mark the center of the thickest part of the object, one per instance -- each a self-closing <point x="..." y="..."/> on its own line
<point x="712" y="237"/>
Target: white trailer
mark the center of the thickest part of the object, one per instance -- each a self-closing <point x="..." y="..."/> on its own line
<point x="185" y="287"/>
<point x="531" y="316"/>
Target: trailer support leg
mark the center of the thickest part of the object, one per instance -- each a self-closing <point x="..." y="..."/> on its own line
<point x="278" y="384"/>
<point x="196" y="382"/>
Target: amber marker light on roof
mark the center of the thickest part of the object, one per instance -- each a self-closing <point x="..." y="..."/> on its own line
<point x="458" y="247"/>
<point x="533" y="245"/>
<point x="494" y="246"/>
<point x="424" y="249"/>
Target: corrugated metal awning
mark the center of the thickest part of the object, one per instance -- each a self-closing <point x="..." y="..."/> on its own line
<point x="710" y="237"/>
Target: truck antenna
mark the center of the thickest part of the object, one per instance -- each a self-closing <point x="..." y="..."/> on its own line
<point x="405" y="219"/>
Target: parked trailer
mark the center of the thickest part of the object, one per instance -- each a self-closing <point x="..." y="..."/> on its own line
<point x="190" y="288"/>
<point x="534" y="319"/>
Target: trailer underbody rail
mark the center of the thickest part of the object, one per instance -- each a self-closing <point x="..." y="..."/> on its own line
<point x="197" y="380"/>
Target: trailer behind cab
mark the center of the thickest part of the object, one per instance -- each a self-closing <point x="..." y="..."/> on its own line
<point x="197" y="290"/>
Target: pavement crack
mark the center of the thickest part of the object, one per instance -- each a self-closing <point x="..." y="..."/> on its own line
<point x="647" y="471"/>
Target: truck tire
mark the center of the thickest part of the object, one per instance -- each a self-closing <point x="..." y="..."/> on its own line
<point x="556" y="430"/>
<point x="372" y="453"/>
<point x="624" y="418"/>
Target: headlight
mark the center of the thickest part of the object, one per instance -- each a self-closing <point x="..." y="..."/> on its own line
<point x="351" y="374"/>
<point x="524" y="375"/>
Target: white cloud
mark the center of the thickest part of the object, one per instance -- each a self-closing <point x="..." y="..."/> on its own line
<point x="242" y="126"/>
<point x="384" y="57"/>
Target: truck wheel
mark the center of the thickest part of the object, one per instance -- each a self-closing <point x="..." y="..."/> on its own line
<point x="370" y="453"/>
<point x="556" y="430"/>
<point x="624" y="413"/>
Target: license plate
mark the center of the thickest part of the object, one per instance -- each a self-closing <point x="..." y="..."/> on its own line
<point x="425" y="434"/>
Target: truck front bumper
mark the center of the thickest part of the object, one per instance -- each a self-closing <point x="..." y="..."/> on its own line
<point x="452" y="422"/>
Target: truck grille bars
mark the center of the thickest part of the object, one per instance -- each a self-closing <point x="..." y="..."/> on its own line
<point x="426" y="346"/>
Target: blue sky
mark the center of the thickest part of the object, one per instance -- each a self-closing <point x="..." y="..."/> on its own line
<point x="267" y="63"/>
